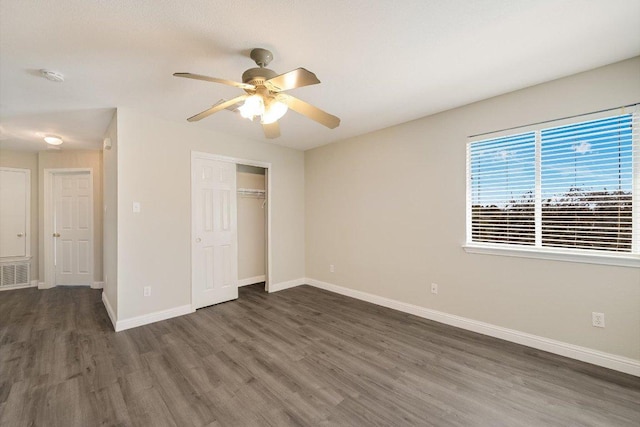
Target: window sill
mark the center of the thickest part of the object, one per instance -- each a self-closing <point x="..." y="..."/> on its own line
<point x="555" y="255"/>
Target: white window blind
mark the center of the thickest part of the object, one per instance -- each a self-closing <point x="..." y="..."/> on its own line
<point x="569" y="187"/>
<point x="587" y="181"/>
<point x="503" y="187"/>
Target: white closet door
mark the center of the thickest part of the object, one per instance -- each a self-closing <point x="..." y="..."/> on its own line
<point x="215" y="232"/>
<point x="14" y="212"/>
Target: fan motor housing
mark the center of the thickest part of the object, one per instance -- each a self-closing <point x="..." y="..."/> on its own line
<point x="257" y="76"/>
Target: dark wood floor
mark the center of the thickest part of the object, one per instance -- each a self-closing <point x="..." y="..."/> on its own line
<point x="297" y="357"/>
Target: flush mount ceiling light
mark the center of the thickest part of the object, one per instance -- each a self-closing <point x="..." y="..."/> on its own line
<point x="264" y="97"/>
<point x="53" y="140"/>
<point x="52" y="75"/>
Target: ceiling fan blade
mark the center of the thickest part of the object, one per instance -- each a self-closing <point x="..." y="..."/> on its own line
<point x="271" y="130"/>
<point x="219" y="106"/>
<point x="233" y="108"/>
<point x="295" y="78"/>
<point x="215" y="80"/>
<point x="314" y="113"/>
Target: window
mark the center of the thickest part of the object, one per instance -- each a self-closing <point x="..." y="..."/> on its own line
<point x="571" y="188"/>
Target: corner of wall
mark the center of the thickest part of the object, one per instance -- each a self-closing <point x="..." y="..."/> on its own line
<point x="110" y="218"/>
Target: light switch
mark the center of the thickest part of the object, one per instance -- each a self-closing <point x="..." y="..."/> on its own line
<point x="136" y="207"/>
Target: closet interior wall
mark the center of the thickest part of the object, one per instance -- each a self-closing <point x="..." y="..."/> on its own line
<point x="250" y="183"/>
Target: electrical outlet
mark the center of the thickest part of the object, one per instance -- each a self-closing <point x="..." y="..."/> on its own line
<point x="147" y="291"/>
<point x="332" y="268"/>
<point x="597" y="319"/>
<point x="434" y="288"/>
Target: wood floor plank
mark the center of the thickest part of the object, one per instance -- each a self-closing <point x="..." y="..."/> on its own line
<point x="109" y="407"/>
<point x="66" y="403"/>
<point x="294" y="358"/>
<point x="144" y="404"/>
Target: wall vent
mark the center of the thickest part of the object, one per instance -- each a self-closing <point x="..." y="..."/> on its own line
<point x="15" y="274"/>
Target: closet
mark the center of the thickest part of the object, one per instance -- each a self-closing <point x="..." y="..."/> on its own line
<point x="251" y="202"/>
<point x="15" y="197"/>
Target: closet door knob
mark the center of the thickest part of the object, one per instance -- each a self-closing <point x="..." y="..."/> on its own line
<point x="20" y="234"/>
<point x="198" y="240"/>
<point x="56" y="234"/>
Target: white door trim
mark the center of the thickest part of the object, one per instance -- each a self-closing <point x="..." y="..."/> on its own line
<point x="49" y="268"/>
<point x="27" y="231"/>
<point x="236" y="160"/>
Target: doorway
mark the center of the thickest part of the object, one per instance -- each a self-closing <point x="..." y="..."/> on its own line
<point x="251" y="200"/>
<point x="68" y="228"/>
<point x="214" y="228"/>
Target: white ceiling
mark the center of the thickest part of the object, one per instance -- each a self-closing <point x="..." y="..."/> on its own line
<point x="381" y="62"/>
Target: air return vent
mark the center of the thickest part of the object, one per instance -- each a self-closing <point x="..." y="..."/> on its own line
<point x="15" y="274"/>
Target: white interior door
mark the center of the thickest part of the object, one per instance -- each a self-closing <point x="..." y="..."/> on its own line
<point x="14" y="214"/>
<point x="73" y="228"/>
<point x="215" y="232"/>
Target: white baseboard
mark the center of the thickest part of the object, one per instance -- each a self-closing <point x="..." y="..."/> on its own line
<point x="110" y="311"/>
<point x="275" y="287"/>
<point x="93" y="285"/>
<point x="251" y="281"/>
<point x="32" y="284"/>
<point x="121" y="325"/>
<point x="584" y="354"/>
<point x="42" y="285"/>
<point x="156" y="316"/>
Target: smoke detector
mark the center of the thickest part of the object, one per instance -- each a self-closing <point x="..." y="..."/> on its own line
<point x="52" y="75"/>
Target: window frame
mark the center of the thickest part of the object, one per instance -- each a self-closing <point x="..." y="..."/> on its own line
<point x="626" y="259"/>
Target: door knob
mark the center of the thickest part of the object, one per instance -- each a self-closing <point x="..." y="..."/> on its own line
<point x="20" y="234"/>
<point x="198" y="240"/>
<point x="56" y="234"/>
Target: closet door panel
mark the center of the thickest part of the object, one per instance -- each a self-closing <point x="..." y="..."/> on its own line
<point x="14" y="191"/>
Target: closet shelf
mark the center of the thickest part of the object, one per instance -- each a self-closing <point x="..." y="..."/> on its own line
<point x="251" y="192"/>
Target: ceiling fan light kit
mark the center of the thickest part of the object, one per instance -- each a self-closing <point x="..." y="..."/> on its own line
<point x="274" y="112"/>
<point x="253" y="106"/>
<point x="269" y="112"/>
<point x="264" y="95"/>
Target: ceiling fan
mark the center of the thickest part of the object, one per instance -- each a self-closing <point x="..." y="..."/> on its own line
<point x="264" y="97"/>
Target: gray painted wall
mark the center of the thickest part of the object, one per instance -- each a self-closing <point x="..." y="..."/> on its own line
<point x="388" y="210"/>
